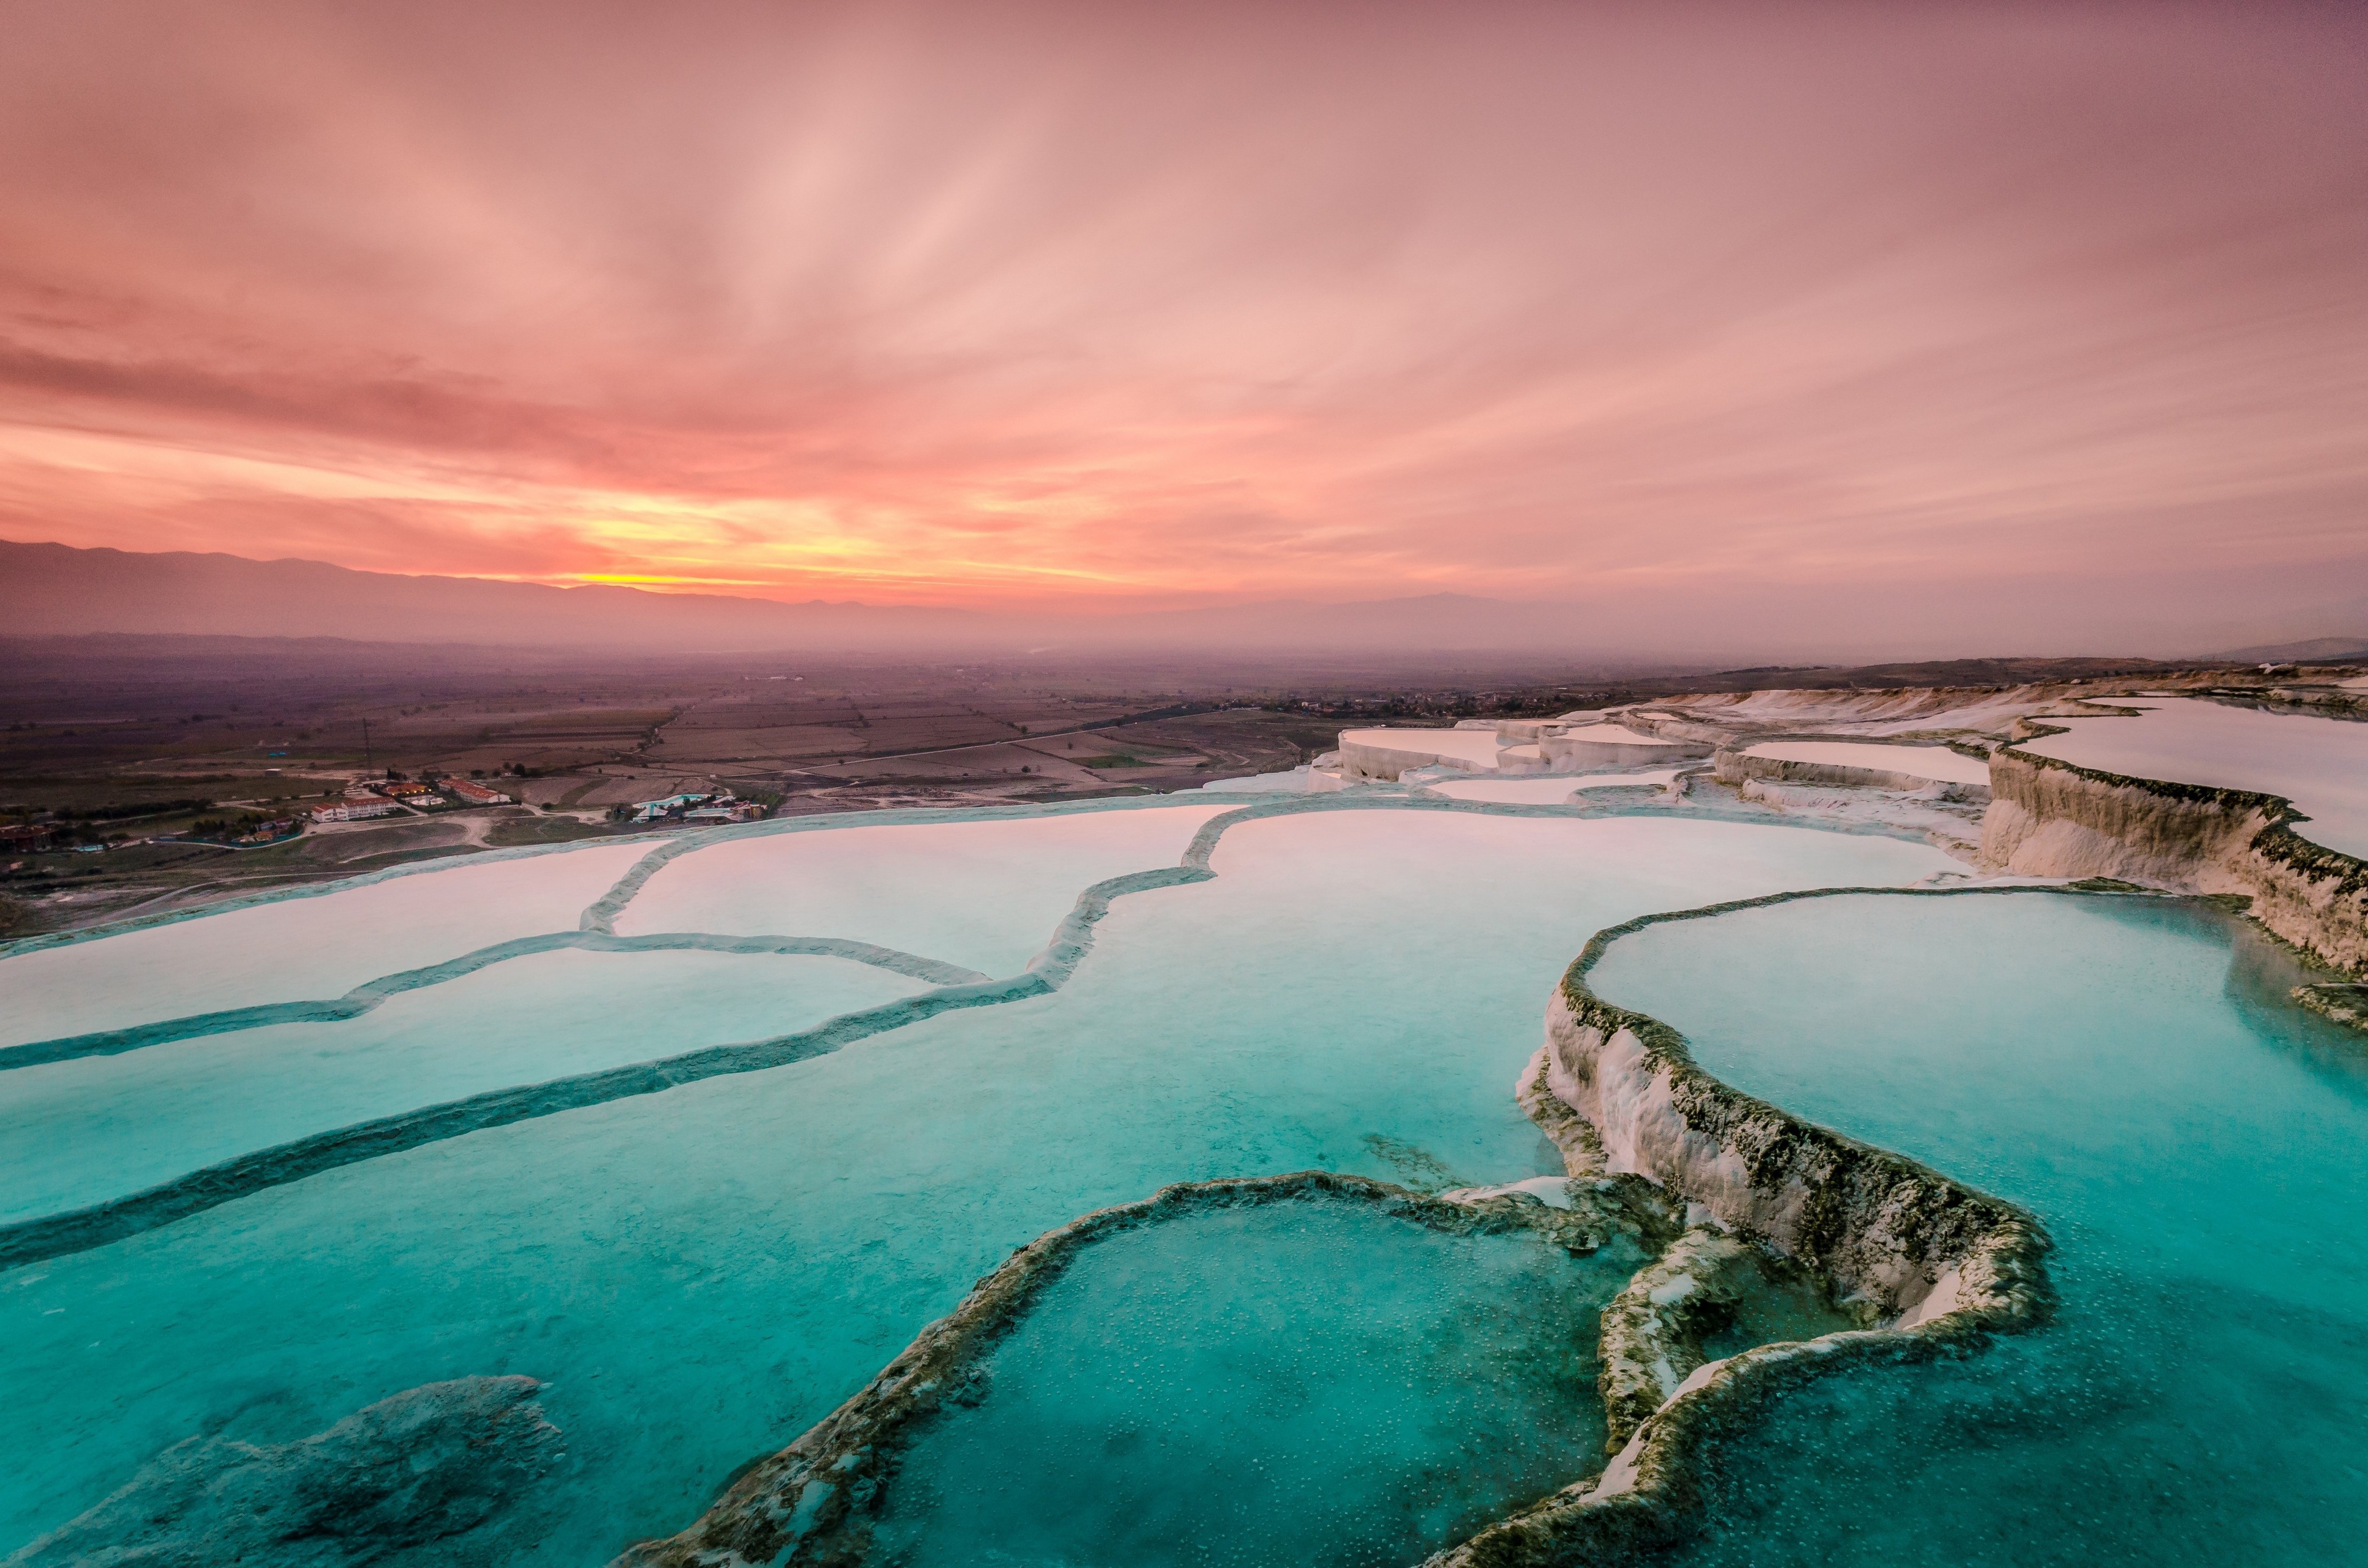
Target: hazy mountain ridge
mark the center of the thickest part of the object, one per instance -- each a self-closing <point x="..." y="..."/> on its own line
<point x="2313" y="649"/>
<point x="57" y="590"/>
<point x="48" y="590"/>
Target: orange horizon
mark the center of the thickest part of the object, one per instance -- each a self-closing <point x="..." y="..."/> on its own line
<point x="1051" y="305"/>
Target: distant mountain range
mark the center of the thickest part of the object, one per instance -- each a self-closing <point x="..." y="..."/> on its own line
<point x="2314" y="650"/>
<point x="54" y="589"/>
<point x="58" y="590"/>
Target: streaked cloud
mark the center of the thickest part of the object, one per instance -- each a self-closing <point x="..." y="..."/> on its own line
<point x="1086" y="304"/>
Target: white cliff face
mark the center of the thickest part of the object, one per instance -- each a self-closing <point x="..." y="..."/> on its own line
<point x="1621" y="1089"/>
<point x="1866" y="1218"/>
<point x="1384" y="754"/>
<point x="1522" y="747"/>
<point x="2054" y="818"/>
<point x="2321" y="765"/>
<point x="1910" y="765"/>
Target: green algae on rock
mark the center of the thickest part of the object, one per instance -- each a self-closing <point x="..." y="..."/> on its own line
<point x="428" y="1472"/>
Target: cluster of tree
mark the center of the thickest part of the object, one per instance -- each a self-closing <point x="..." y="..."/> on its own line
<point x="1539" y="702"/>
<point x="228" y="828"/>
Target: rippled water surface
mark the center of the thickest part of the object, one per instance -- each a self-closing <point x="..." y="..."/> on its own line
<point x="2198" y="1147"/>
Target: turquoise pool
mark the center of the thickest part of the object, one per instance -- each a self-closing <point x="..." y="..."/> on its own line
<point x="2131" y="1071"/>
<point x="1309" y="1382"/>
<point x="697" y="1276"/>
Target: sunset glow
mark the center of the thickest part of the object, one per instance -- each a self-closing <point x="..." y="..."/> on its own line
<point x="1129" y="307"/>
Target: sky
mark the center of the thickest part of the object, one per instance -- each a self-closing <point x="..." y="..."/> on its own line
<point x="1954" y="308"/>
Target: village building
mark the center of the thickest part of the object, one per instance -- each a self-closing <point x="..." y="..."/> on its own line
<point x="475" y="793"/>
<point x="353" y="808"/>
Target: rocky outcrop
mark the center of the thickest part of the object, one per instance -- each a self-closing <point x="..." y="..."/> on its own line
<point x="2338" y="1004"/>
<point x="2053" y="818"/>
<point x="1939" y="1266"/>
<point x="428" y="1475"/>
<point x="1891" y="1234"/>
<point x="1653" y="1330"/>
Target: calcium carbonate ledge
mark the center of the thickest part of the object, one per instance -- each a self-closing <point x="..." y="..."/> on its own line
<point x="1932" y="1266"/>
<point x="2050" y="817"/>
<point x="1618" y="1092"/>
<point x="814" y="1502"/>
<point x="673" y="842"/>
<point x="368" y="996"/>
<point x="1733" y="765"/>
<point x="19" y="945"/>
<point x="96" y="1225"/>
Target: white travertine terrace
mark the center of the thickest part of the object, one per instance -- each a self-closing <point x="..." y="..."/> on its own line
<point x="351" y="933"/>
<point x="2321" y="765"/>
<point x="1935" y="763"/>
<point x="1510" y="746"/>
<point x="1613" y="745"/>
<point x="1905" y="711"/>
<point x="1551" y="790"/>
<point x="1387" y="753"/>
<point x="980" y="893"/>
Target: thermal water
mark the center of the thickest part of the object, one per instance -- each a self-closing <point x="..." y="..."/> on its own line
<point x="315" y="944"/>
<point x="1311" y="1381"/>
<point x="2321" y="765"/>
<point x="2133" y="1071"/>
<point x="1935" y="763"/>
<point x="984" y="893"/>
<point x="95" y="1128"/>
<point x="1551" y="789"/>
<point x="700" y="1274"/>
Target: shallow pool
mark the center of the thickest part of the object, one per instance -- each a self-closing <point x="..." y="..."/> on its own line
<point x="2130" y="1069"/>
<point x="1935" y="763"/>
<point x="1314" y="1382"/>
<point x="700" y="1274"/>
<point x="2321" y="765"/>
<point x="97" y="1128"/>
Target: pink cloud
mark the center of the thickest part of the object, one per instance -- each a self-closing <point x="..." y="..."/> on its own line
<point x="1084" y="303"/>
